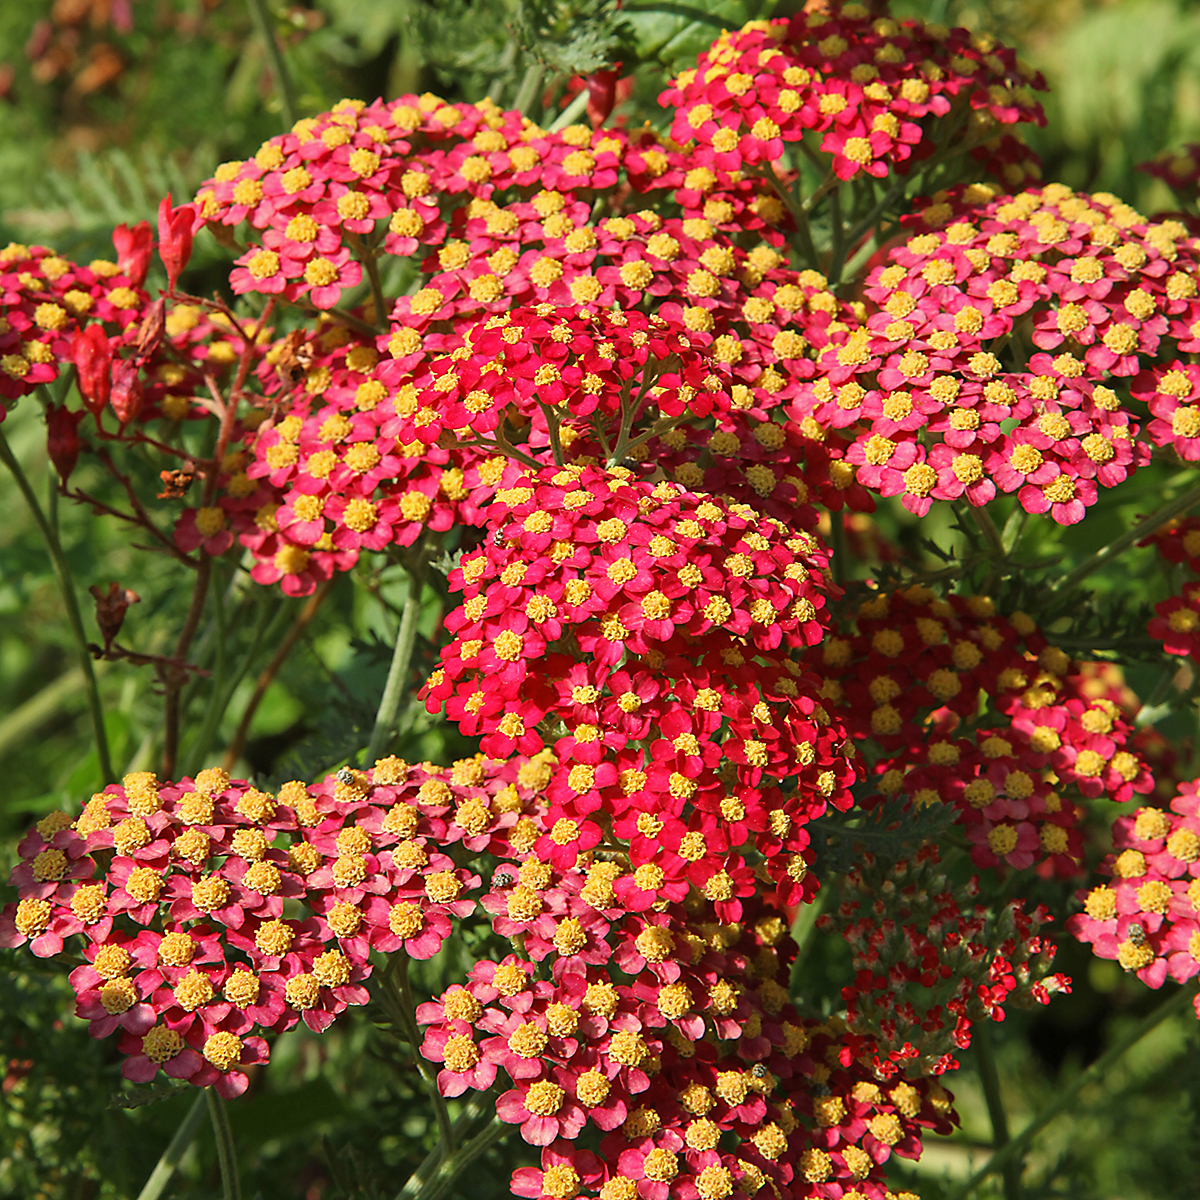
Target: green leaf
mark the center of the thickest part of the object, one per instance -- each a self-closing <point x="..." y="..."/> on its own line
<point x="674" y="33"/>
<point x="575" y="38"/>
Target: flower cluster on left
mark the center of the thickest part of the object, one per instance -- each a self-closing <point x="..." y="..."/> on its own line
<point x="210" y="913"/>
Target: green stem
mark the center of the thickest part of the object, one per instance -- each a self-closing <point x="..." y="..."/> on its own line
<point x="989" y="1077"/>
<point x="837" y="248"/>
<point x="575" y="109"/>
<point x="397" y="680"/>
<point x="1066" y="1098"/>
<point x="175" y="678"/>
<point x="443" y="1179"/>
<point x="408" y="1014"/>
<point x="804" y="931"/>
<point x="528" y="89"/>
<point x="988" y="528"/>
<point x="371" y="265"/>
<point x="837" y="544"/>
<point x="66" y="586"/>
<point x="478" y="1104"/>
<point x="269" y="672"/>
<point x="231" y="1185"/>
<point x="552" y="426"/>
<point x="1118" y="545"/>
<point x="218" y="703"/>
<point x="176" y="1148"/>
<point x="283" y="81"/>
<point x="807" y="247"/>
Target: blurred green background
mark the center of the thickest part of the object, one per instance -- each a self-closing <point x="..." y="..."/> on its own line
<point x="107" y="105"/>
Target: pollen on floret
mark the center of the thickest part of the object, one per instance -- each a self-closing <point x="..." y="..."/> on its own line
<point x="1129" y="864"/>
<point x="223" y="1049"/>
<point x="242" y="988"/>
<point x="118" y="996"/>
<point x="33" y="916"/>
<point x="1002" y="840"/>
<point x="112" y="961"/>
<point x="1134" y="956"/>
<point x="544" y="1098"/>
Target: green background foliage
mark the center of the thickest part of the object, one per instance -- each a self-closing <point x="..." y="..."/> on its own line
<point x="344" y="1114"/>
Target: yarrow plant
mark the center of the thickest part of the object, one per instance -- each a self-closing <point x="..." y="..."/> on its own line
<point x="622" y="401"/>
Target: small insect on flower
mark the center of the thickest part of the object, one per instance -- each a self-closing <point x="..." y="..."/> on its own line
<point x="346" y="776"/>
<point x="1136" y="934"/>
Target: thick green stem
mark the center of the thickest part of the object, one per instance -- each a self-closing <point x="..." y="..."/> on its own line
<point x="989" y="1077"/>
<point x="528" y="89"/>
<point x="439" y="1182"/>
<point x="397" y="680"/>
<point x="478" y="1104"/>
<point x="1118" y="545"/>
<point x="371" y="266"/>
<point x="988" y="528"/>
<point x="408" y="1015"/>
<point x="1066" y="1098"/>
<point x="837" y="545"/>
<point x="571" y="113"/>
<point x="283" y="80"/>
<point x="804" y="931"/>
<point x="231" y="1185"/>
<point x="66" y="585"/>
<point x="176" y="1148"/>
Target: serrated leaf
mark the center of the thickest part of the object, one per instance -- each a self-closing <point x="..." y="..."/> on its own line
<point x="575" y="37"/>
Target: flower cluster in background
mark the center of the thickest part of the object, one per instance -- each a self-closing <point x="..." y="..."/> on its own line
<point x="976" y="710"/>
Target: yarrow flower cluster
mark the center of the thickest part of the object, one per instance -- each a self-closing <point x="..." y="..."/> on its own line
<point x="1148" y="917"/>
<point x="609" y="382"/>
<point x="936" y="405"/>
<point x="969" y="708"/>
<point x="649" y="629"/>
<point x="878" y="91"/>
<point x="176" y="894"/>
<point x="178" y="890"/>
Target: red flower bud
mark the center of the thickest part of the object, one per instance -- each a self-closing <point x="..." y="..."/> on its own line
<point x="174" y="237"/>
<point x="126" y="390"/>
<point x="134" y="247"/>
<point x="92" y="355"/>
<point x="62" y="438"/>
<point x="602" y="94"/>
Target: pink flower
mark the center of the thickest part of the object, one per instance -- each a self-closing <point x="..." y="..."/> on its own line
<point x="545" y="1109"/>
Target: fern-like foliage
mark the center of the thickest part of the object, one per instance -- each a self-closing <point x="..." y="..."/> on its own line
<point x="574" y="37"/>
<point x="890" y="831"/>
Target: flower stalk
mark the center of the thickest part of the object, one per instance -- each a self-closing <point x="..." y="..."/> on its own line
<point x="66" y="587"/>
